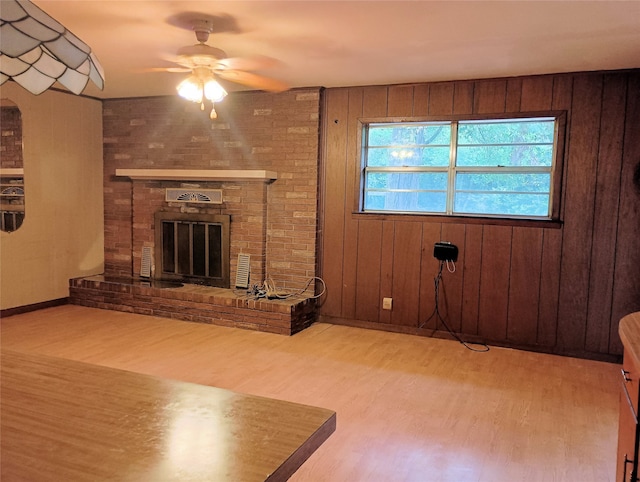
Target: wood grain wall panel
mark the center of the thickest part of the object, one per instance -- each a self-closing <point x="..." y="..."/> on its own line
<point x="374" y="104"/>
<point x="421" y="100"/>
<point x="386" y="267"/>
<point x="562" y="99"/>
<point x="514" y="95"/>
<point x="549" y="287"/>
<point x="407" y="247"/>
<point x="559" y="288"/>
<point x="489" y="96"/>
<point x="524" y="285"/>
<point x="407" y="242"/>
<point x="603" y="251"/>
<point x="441" y="98"/>
<point x="335" y="196"/>
<point x="400" y="103"/>
<point x="352" y="170"/>
<point x="452" y="282"/>
<point x="626" y="280"/>
<point x="534" y="98"/>
<point x="471" y="263"/>
<point x="579" y="208"/>
<point x="494" y="282"/>
<point x="428" y="271"/>
<point x="463" y="97"/>
<point x="537" y="93"/>
<point x="368" y="270"/>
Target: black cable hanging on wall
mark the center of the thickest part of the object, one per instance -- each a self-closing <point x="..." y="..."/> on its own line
<point x="436" y="310"/>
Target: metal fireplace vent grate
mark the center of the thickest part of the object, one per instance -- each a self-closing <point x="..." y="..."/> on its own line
<point x="192" y="248"/>
<point x="208" y="196"/>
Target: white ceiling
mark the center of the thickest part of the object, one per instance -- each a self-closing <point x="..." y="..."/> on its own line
<point x="346" y="43"/>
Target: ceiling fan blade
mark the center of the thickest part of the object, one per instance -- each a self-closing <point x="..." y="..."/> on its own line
<point x="253" y="80"/>
<point x="247" y="63"/>
<point x="168" y="69"/>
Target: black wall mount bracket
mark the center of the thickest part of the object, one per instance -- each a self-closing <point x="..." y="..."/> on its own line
<point x="445" y="251"/>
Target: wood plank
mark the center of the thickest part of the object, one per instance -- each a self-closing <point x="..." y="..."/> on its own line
<point x="471" y="263"/>
<point x="542" y="403"/>
<point x="452" y="283"/>
<point x="489" y="96"/>
<point x="605" y="220"/>
<point x="626" y="282"/>
<point x="374" y="104"/>
<point x="579" y="199"/>
<point x="537" y="93"/>
<point x="407" y="248"/>
<point x="428" y="271"/>
<point x="441" y="98"/>
<point x="421" y="100"/>
<point x="552" y="238"/>
<point x="514" y="95"/>
<point x="89" y="422"/>
<point x="494" y="282"/>
<point x="400" y="101"/>
<point x="524" y="285"/>
<point x="386" y="267"/>
<point x="368" y="270"/>
<point x="549" y="287"/>
<point x="375" y="101"/>
<point x="463" y="97"/>
<point x="352" y="174"/>
<point x="404" y="282"/>
<point x="334" y="175"/>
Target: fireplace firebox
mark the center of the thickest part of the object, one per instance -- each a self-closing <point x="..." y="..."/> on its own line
<point x="192" y="248"/>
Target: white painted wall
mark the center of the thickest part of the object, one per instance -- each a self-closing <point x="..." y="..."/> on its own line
<point x="62" y="235"/>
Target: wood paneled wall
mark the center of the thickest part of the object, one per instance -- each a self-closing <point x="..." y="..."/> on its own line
<point x="556" y="288"/>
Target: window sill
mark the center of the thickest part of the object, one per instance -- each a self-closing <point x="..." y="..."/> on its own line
<point x="432" y="218"/>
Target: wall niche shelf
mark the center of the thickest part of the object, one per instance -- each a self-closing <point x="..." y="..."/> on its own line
<point x="11" y="198"/>
<point x="198" y="174"/>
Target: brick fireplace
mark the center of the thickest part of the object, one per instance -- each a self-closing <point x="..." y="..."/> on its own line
<point x="243" y="200"/>
<point x="274" y="221"/>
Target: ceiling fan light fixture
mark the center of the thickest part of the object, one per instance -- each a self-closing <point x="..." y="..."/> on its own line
<point x="202" y="85"/>
<point x="214" y="91"/>
<point x="190" y="89"/>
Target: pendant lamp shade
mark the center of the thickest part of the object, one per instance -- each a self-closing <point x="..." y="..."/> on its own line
<point x="36" y="51"/>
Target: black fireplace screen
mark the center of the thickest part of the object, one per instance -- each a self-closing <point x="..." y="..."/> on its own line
<point x="193" y="248"/>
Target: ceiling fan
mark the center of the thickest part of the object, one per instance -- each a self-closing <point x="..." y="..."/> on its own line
<point x="207" y="64"/>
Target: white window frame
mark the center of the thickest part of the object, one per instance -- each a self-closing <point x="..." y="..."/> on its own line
<point x="555" y="170"/>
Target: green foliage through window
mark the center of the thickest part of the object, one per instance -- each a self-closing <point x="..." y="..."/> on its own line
<point x="492" y="167"/>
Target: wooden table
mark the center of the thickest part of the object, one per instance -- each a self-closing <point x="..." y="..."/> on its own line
<point x="72" y="421"/>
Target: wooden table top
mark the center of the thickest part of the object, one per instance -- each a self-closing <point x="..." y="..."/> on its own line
<point x="72" y="421"/>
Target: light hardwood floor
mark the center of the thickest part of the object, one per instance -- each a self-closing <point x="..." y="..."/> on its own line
<point x="408" y="408"/>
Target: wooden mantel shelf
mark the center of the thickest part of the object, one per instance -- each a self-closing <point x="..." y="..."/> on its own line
<point x="198" y="174"/>
<point x="12" y="171"/>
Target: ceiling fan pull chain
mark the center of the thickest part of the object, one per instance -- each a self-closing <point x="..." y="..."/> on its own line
<point x="214" y="114"/>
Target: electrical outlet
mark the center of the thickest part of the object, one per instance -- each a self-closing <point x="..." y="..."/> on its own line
<point x="386" y="303"/>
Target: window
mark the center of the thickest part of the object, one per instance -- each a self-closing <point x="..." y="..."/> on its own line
<point x="475" y="167"/>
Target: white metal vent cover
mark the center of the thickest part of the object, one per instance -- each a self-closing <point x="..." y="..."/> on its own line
<point x="181" y="195"/>
<point x="242" y="272"/>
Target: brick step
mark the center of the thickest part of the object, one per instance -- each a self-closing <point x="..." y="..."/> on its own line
<point x="196" y="303"/>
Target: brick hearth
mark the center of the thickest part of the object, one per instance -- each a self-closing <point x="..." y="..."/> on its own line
<point x="203" y="304"/>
